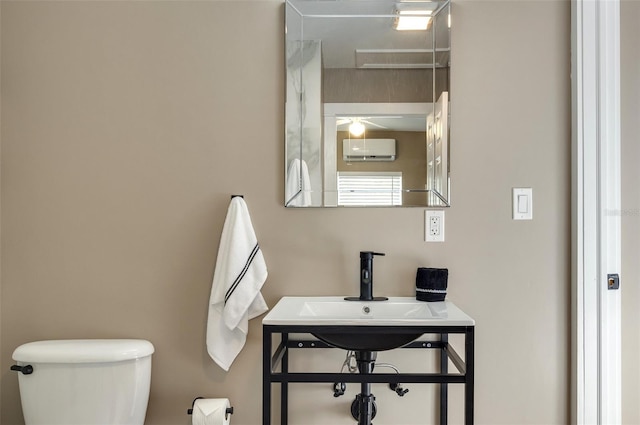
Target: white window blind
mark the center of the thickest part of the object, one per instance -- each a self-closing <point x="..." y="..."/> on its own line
<point x="369" y="188"/>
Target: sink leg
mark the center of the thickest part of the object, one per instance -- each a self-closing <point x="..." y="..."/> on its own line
<point x="444" y="368"/>
<point x="266" y="377"/>
<point x="284" y="386"/>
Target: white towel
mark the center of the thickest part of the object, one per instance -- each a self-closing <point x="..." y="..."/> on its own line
<point x="298" y="180"/>
<point x="235" y="291"/>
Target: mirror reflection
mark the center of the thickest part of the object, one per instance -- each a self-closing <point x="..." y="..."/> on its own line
<point x="367" y="103"/>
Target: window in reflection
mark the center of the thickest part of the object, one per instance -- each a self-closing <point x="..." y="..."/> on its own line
<point x="369" y="188"/>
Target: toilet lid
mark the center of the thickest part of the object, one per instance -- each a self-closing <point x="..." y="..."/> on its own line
<point x="83" y="351"/>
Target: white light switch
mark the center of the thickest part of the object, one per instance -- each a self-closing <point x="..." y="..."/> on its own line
<point x="522" y="203"/>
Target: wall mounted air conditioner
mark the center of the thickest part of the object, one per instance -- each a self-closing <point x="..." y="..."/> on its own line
<point x="369" y="149"/>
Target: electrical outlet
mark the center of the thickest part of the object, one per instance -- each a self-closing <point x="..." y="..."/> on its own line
<point x="434" y="225"/>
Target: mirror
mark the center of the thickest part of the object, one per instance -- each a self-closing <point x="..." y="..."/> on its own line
<point x="367" y="103"/>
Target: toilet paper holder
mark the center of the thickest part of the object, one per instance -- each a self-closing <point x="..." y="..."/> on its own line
<point x="227" y="412"/>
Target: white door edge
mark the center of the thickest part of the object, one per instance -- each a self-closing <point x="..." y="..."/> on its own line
<point x="596" y="320"/>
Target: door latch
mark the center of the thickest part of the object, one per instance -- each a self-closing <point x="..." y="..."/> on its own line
<point x="613" y="281"/>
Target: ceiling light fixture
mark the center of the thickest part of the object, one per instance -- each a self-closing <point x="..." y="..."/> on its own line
<point x="356" y="128"/>
<point x="412" y="20"/>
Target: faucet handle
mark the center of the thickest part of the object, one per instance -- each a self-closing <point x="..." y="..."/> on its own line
<point x="379" y="253"/>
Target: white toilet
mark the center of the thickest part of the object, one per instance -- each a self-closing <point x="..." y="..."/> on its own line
<point x="84" y="382"/>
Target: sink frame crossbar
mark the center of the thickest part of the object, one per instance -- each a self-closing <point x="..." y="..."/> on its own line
<point x="272" y="360"/>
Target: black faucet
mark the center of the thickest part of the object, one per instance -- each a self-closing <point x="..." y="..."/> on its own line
<point x="366" y="278"/>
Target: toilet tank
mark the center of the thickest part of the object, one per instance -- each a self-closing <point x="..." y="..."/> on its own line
<point x="85" y="382"/>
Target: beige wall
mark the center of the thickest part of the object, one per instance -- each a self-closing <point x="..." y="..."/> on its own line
<point x="0" y="206"/>
<point x="380" y="85"/>
<point x="127" y="125"/>
<point x="630" y="111"/>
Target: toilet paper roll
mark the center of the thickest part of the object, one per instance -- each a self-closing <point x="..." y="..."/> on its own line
<point x="211" y="411"/>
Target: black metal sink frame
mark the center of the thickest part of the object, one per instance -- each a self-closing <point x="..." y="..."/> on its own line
<point x="278" y="359"/>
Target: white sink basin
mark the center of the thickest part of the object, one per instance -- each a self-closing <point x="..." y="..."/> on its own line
<point x="359" y="310"/>
<point x="335" y="312"/>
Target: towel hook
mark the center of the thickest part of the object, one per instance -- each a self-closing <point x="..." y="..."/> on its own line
<point x="233" y="196"/>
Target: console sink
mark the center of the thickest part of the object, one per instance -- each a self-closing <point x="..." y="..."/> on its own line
<point x="335" y="312"/>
